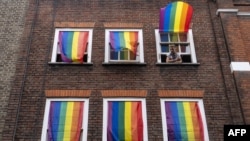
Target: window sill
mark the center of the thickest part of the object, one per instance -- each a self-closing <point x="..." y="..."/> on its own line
<point x="177" y="64"/>
<point x="70" y="64"/>
<point x="123" y="63"/>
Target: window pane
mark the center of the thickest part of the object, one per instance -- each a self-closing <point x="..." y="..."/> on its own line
<point x="183" y="37"/>
<point x="186" y="58"/>
<point x="185" y="49"/>
<point x="164" y="48"/>
<point x="132" y="55"/>
<point x="124" y="55"/>
<point x="114" y="55"/>
<point x="164" y="37"/>
<point x="173" y="37"/>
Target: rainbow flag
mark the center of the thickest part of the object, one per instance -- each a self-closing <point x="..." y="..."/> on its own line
<point x="124" y="121"/>
<point x="184" y="121"/>
<point x="65" y="120"/>
<point x="124" y="39"/>
<point x="175" y="17"/>
<point x="73" y="44"/>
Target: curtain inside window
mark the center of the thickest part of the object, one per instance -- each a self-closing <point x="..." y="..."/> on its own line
<point x="124" y="121"/>
<point x="175" y="17"/>
<point x="184" y="121"/>
<point x="65" y="120"/>
<point x="73" y="45"/>
<point x="120" y="40"/>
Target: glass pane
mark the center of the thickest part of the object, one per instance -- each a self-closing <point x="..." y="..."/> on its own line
<point x="132" y="55"/>
<point x="183" y="48"/>
<point x="173" y="37"/>
<point x="164" y="48"/>
<point x="124" y="54"/>
<point x="114" y="55"/>
<point x="183" y="37"/>
<point x="164" y="37"/>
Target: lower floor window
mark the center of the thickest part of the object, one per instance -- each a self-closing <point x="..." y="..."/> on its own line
<point x="65" y="120"/>
<point x="183" y="120"/>
<point x="124" y="120"/>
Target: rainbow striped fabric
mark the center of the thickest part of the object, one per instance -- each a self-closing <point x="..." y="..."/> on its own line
<point x="65" y="120"/>
<point x="124" y="121"/>
<point x="73" y="45"/>
<point x="175" y="17"/>
<point x="124" y="39"/>
<point x="184" y="121"/>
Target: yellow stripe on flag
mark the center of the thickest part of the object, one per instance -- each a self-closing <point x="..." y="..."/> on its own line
<point x="75" y="46"/>
<point x="128" y="118"/>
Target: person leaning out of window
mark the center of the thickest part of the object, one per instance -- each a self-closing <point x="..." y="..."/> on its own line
<point x="173" y="57"/>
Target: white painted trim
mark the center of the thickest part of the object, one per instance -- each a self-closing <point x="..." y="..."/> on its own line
<point x="239" y="66"/>
<point x="192" y="47"/>
<point x="243" y="13"/>
<point x="140" y="50"/>
<point x="105" y="115"/>
<point x="85" y="116"/>
<point x="226" y="11"/>
<point x="56" y="38"/>
<point x="158" y="46"/>
<point x="163" y="115"/>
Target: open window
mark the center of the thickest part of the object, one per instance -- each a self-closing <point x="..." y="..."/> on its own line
<point x="124" y="119"/>
<point x="183" y="41"/>
<point x="123" y="46"/>
<point x="183" y="119"/>
<point x="174" y="29"/>
<point x="72" y="46"/>
<point x="65" y="119"/>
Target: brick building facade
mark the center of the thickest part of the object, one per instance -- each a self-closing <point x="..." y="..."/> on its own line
<point x="219" y="78"/>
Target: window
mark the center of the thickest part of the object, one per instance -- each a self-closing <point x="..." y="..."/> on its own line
<point x="123" y="46"/>
<point x="124" y="119"/>
<point x="65" y="119"/>
<point x="72" y="46"/>
<point x="184" y="41"/>
<point x="183" y="119"/>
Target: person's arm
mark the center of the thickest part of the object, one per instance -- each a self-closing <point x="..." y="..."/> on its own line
<point x="169" y="60"/>
<point x="179" y="59"/>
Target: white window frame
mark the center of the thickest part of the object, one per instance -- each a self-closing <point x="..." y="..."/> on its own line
<point x="139" y="54"/>
<point x="84" y="122"/>
<point x="105" y="115"/>
<point x="190" y="41"/>
<point x="163" y="115"/>
<point x="56" y="50"/>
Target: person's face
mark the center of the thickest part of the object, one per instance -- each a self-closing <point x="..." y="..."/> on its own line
<point x="172" y="49"/>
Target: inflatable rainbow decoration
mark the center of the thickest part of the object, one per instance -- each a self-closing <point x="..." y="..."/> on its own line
<point x="175" y="17"/>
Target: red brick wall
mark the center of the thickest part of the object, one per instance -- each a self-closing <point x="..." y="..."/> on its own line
<point x="212" y="76"/>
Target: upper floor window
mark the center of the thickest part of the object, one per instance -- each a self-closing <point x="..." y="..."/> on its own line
<point x="174" y="30"/>
<point x="65" y="119"/>
<point x="183" y="119"/>
<point x="183" y="42"/>
<point x="72" y="46"/>
<point x="123" y="46"/>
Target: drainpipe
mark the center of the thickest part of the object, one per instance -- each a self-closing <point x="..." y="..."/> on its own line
<point x="228" y="52"/>
<point x="37" y="121"/>
<point x="28" y="44"/>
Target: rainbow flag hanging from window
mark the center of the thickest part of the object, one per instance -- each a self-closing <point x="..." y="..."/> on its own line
<point x="124" y="121"/>
<point x="184" y="121"/>
<point x="175" y="17"/>
<point x="73" y="45"/>
<point x="124" y="39"/>
<point x="65" y="120"/>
